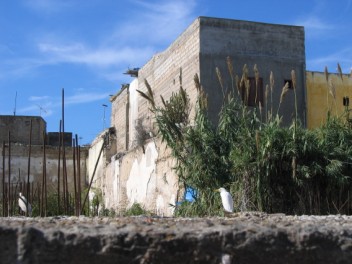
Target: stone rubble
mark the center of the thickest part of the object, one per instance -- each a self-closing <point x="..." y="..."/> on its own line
<point x="250" y="237"/>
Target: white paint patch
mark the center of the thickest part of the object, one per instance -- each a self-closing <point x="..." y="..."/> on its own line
<point x="159" y="205"/>
<point x="116" y="173"/>
<point x="141" y="181"/>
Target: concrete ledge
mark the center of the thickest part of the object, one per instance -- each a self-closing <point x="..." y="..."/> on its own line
<point x="242" y="238"/>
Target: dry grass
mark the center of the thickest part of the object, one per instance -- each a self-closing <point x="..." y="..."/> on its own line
<point x="285" y="90"/>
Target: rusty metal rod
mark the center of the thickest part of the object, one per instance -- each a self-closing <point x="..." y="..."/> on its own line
<point x="45" y="184"/>
<point x="74" y="176"/>
<point x="3" y="179"/>
<point x="9" y="177"/>
<point x="65" y="191"/>
<point x="79" y="174"/>
<point x="58" y="172"/>
<point x="91" y="180"/>
<point x="29" y="166"/>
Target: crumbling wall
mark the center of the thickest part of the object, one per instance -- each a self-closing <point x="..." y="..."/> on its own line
<point x="144" y="177"/>
<point x="246" y="238"/>
<point x="19" y="166"/>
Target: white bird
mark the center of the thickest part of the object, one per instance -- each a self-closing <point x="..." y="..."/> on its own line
<point x="22" y="203"/>
<point x="226" y="199"/>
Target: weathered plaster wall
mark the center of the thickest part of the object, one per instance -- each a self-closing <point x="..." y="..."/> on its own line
<point x="19" y="166"/>
<point x="136" y="177"/>
<point x="319" y="99"/>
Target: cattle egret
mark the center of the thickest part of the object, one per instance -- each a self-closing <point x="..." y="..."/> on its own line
<point x="226" y="199"/>
<point x="22" y="203"/>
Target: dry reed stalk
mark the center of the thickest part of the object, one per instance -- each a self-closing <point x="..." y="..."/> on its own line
<point x="232" y="74"/>
<point x="332" y="89"/>
<point x="294" y="82"/>
<point x="238" y="84"/>
<point x="230" y="67"/>
<point x="256" y="75"/>
<point x="266" y="99"/>
<point x="248" y="87"/>
<point x="272" y="83"/>
<point x="293" y="77"/>
<point x="260" y="110"/>
<point x="326" y="73"/>
<point x="218" y="73"/>
<point x="245" y="71"/>
<point x="285" y="89"/>
<point x="203" y="102"/>
<point x="340" y="71"/>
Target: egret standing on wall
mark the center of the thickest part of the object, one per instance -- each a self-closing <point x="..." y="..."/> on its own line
<point x="22" y="203"/>
<point x="226" y="199"/>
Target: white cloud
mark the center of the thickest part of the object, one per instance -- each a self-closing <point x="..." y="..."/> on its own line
<point x="85" y="98"/>
<point x="156" y="22"/>
<point x="78" y="53"/>
<point x="314" y="23"/>
<point x="344" y="57"/>
<point x="38" y="98"/>
<point x="150" y="27"/>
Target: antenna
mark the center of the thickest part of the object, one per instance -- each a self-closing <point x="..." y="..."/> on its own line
<point x="14" y="110"/>
<point x="41" y="109"/>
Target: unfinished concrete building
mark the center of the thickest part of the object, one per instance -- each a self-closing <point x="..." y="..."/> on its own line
<point x="22" y="141"/>
<point x="140" y="169"/>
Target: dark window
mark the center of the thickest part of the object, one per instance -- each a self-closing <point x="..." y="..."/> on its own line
<point x="290" y="85"/>
<point x="253" y="95"/>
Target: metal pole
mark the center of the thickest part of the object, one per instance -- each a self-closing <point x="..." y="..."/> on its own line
<point x="79" y="174"/>
<point x="3" y="179"/>
<point x="91" y="180"/>
<point x="29" y="166"/>
<point x="74" y="175"/>
<point x="9" y="178"/>
<point x="58" y="172"/>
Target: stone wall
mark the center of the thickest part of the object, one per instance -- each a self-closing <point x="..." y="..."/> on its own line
<point x="246" y="238"/>
<point x="19" y="166"/>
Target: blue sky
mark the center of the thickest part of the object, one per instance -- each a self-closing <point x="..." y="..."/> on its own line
<point x="85" y="46"/>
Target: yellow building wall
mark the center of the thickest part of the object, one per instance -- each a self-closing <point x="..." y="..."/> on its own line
<point x="320" y="99"/>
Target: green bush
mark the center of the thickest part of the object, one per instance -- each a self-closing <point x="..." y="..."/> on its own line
<point x="266" y="166"/>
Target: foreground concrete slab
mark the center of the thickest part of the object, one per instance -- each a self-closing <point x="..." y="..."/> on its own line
<point x="242" y="238"/>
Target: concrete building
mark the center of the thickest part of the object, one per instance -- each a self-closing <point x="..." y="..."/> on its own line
<point x="16" y="166"/>
<point x="325" y="95"/>
<point x="19" y="127"/>
<point x="141" y="168"/>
